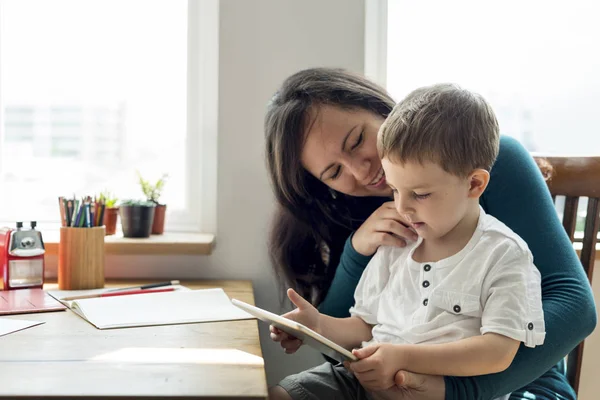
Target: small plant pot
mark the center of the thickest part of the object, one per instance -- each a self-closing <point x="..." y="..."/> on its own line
<point x="158" y="227"/>
<point x="136" y="220"/>
<point x="110" y="220"/>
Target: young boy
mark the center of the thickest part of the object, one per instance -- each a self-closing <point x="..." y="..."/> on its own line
<point x="458" y="301"/>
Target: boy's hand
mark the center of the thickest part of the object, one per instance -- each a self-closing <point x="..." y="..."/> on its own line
<point x="289" y="343"/>
<point x="377" y="365"/>
<point x="304" y="314"/>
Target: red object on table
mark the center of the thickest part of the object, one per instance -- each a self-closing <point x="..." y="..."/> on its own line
<point x="121" y="293"/>
<point x="21" y="258"/>
<point x="138" y="291"/>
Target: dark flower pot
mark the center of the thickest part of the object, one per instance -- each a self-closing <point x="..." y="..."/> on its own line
<point x="158" y="227"/>
<point x="136" y="220"/>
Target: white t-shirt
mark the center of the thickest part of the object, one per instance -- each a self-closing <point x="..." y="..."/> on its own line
<point x="491" y="285"/>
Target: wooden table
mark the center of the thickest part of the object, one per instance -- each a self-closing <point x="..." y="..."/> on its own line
<point x="204" y="360"/>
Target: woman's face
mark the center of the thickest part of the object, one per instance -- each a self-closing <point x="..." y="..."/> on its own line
<point x="341" y="150"/>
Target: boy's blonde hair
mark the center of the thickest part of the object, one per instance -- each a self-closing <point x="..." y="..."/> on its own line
<point x="443" y="124"/>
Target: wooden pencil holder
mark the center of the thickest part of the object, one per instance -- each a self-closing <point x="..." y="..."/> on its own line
<point x="81" y="258"/>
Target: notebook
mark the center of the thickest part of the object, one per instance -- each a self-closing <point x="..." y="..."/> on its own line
<point x="178" y="307"/>
<point x="25" y="301"/>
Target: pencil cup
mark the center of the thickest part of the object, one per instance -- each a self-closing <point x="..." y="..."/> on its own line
<point x="81" y="258"/>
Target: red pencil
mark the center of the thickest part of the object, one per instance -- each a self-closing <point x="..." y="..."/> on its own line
<point x="121" y="293"/>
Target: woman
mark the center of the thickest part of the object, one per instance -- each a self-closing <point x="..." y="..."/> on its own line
<point x="335" y="209"/>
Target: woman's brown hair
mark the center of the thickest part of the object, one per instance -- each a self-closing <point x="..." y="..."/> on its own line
<point x="545" y="168"/>
<point x="312" y="222"/>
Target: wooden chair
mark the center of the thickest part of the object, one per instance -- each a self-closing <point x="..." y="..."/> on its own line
<point x="575" y="177"/>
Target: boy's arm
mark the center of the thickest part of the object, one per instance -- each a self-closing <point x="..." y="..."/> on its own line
<point x="347" y="332"/>
<point x="478" y="355"/>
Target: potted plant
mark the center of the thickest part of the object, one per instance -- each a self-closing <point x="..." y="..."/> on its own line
<point x="137" y="217"/>
<point x="111" y="211"/>
<point x="153" y="193"/>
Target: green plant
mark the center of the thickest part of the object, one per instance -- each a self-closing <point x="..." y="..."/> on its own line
<point x="141" y="203"/>
<point x="109" y="199"/>
<point x="152" y="191"/>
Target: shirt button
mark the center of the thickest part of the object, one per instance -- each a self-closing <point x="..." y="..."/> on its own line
<point x="425" y="302"/>
<point x="457" y="308"/>
<point x="427" y="267"/>
<point x="425" y="283"/>
<point x="530" y="326"/>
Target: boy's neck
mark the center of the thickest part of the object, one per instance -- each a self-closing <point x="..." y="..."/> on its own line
<point x="433" y="250"/>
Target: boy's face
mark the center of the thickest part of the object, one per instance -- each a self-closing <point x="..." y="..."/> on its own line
<point x="429" y="198"/>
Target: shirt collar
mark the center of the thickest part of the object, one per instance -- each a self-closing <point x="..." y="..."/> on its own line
<point x="456" y="258"/>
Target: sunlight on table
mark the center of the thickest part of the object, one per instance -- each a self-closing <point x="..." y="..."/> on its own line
<point x="181" y="356"/>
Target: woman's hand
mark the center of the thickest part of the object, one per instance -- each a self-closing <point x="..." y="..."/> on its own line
<point x="419" y="387"/>
<point x="383" y="227"/>
<point x="304" y="314"/>
<point x="411" y="386"/>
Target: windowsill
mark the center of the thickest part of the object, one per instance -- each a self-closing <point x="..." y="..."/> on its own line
<point x="170" y="243"/>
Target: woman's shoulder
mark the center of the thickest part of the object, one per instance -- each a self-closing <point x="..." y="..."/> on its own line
<point x="518" y="196"/>
<point x="511" y="151"/>
<point x="514" y="169"/>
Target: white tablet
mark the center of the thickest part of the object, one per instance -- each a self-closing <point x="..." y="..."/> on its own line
<point x="308" y="336"/>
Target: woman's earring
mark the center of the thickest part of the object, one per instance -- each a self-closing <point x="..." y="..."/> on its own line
<point x="333" y="193"/>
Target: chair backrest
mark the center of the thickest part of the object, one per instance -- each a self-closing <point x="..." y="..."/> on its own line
<point x="575" y="177"/>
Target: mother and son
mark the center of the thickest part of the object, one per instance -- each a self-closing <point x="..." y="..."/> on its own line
<point x="416" y="236"/>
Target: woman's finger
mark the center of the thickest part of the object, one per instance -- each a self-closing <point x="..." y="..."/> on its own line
<point x="395" y="227"/>
<point x="386" y="239"/>
<point x="389" y="205"/>
<point x="387" y="212"/>
<point x="409" y="380"/>
<point x="392" y="240"/>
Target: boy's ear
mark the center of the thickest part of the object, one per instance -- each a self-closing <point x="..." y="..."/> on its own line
<point x="478" y="181"/>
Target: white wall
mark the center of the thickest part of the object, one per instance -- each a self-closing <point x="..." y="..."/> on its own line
<point x="261" y="43"/>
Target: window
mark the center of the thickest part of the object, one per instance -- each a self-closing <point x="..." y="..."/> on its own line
<point x="534" y="61"/>
<point x="92" y="92"/>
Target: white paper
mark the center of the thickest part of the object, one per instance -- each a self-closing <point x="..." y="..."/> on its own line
<point x="165" y="308"/>
<point x="9" y="325"/>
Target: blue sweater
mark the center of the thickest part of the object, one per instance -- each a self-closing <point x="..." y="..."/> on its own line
<point x="518" y="196"/>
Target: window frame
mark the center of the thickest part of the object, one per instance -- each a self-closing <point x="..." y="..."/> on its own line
<point x="199" y="214"/>
<point x="376" y="33"/>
